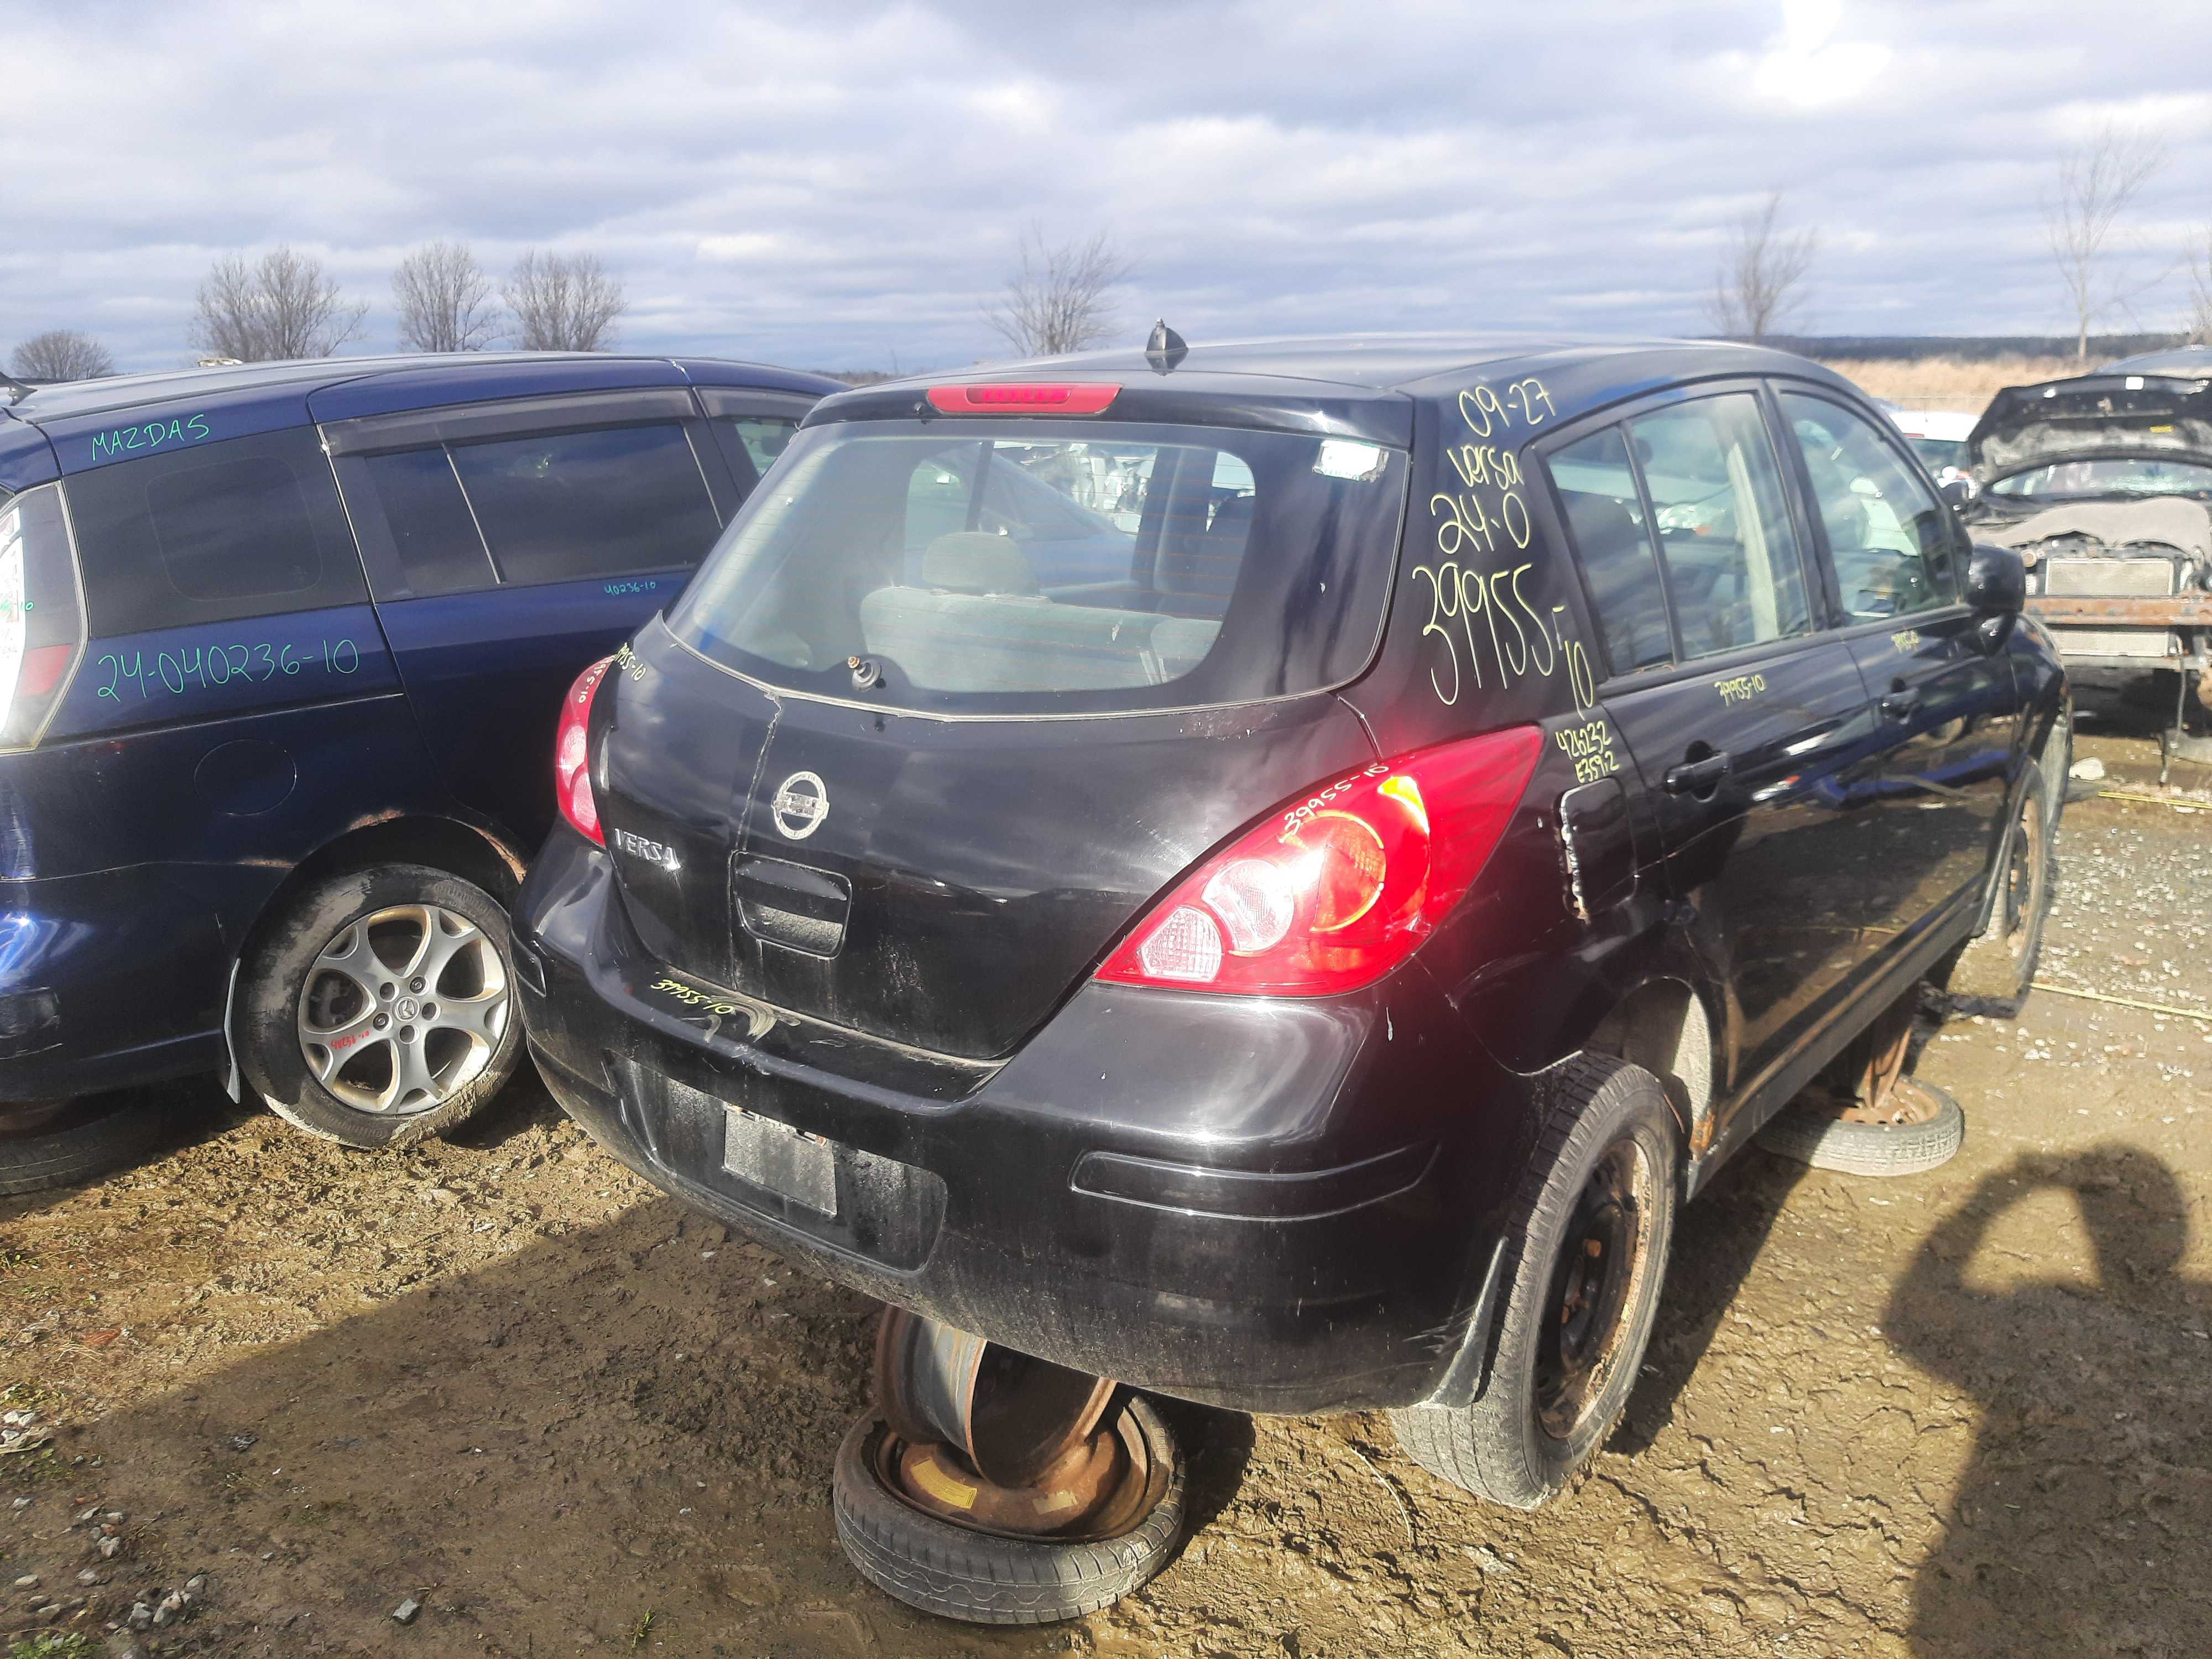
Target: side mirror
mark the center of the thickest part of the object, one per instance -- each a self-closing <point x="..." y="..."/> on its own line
<point x="1958" y="494"/>
<point x="1996" y="589"/>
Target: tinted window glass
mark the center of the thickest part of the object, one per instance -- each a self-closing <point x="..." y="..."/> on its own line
<point x="248" y="528"/>
<point x="564" y="506"/>
<point x="1731" y="559"/>
<point x="1606" y="518"/>
<point x="1890" y="538"/>
<point x="1055" y="566"/>
<point x="432" y="530"/>
<point x="764" y="436"/>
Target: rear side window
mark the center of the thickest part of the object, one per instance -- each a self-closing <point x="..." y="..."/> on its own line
<point x="1733" y="569"/>
<point x="1062" y="567"/>
<point x="1611" y="537"/>
<point x="250" y="527"/>
<point x="433" y="532"/>
<point x="763" y="437"/>
<point x="560" y="506"/>
<point x="1890" y="538"/>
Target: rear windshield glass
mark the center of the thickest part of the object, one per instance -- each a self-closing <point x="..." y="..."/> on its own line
<point x="1060" y="567"/>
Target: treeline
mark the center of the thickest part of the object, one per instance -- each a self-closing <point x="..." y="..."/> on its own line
<point x="286" y="305"/>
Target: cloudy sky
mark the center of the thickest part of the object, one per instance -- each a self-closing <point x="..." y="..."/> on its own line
<point x="844" y="183"/>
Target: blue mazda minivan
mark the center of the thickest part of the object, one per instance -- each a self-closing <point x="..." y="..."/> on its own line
<point x="281" y="647"/>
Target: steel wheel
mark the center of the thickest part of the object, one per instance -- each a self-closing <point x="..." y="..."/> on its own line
<point x="403" y="1009"/>
<point x="1602" y="1259"/>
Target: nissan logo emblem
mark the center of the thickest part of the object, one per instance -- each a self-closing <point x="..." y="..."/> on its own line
<point x="802" y="801"/>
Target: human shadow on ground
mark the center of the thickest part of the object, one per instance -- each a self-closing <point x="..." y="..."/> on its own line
<point x="2093" y="1467"/>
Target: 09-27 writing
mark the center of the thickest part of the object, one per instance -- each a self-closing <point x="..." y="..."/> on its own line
<point x="219" y="664"/>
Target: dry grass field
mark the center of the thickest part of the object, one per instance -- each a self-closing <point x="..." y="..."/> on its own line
<point x="1949" y="382"/>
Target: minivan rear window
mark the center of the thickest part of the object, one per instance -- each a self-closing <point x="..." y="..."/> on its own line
<point x="1053" y="566"/>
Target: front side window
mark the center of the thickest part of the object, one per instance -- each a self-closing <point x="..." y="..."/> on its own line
<point x="566" y="506"/>
<point x="1054" y="566"/>
<point x="1731" y="565"/>
<point x="1620" y="564"/>
<point x="250" y="527"/>
<point x="1890" y="538"/>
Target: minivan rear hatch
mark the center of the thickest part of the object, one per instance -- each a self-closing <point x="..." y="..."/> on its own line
<point x="956" y="696"/>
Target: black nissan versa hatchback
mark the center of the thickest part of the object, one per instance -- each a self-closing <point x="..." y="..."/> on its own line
<point x="1267" y="873"/>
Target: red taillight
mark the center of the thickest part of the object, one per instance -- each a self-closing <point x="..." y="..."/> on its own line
<point x="43" y="666"/>
<point x="1333" y="890"/>
<point x="1024" y="398"/>
<point x="572" y="756"/>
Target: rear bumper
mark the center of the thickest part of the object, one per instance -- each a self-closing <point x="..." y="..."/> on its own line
<point x="107" y="981"/>
<point x="1275" y="1206"/>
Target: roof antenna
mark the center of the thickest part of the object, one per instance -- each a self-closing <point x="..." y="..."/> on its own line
<point x="1165" y="350"/>
<point x="21" y="389"/>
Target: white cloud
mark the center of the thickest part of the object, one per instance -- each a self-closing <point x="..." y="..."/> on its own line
<point x="833" y="186"/>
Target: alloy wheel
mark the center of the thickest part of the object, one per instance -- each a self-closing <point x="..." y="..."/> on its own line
<point x="403" y="1009"/>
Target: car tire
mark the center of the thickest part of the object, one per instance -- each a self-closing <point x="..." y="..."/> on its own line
<point x="452" y="1034"/>
<point x="78" y="1140"/>
<point x="1926" y="1129"/>
<point x="1992" y="973"/>
<point x="984" y="1578"/>
<point x="1535" y="1425"/>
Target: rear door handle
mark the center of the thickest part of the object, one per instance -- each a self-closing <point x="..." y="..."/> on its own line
<point x="1697" y="776"/>
<point x="1900" y="705"/>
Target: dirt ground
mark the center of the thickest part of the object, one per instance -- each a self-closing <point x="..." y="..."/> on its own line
<point x="1962" y="1413"/>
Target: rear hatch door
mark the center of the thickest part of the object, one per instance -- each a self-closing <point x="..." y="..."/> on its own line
<point x="953" y="702"/>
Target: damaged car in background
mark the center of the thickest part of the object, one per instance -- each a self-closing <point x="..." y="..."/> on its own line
<point x="2104" y="485"/>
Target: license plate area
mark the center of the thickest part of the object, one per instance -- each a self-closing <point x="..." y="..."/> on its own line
<point x="788" y="1162"/>
<point x="880" y="1208"/>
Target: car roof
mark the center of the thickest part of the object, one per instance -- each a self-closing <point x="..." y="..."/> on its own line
<point x="2183" y="359"/>
<point x="458" y="377"/>
<point x="1580" y="372"/>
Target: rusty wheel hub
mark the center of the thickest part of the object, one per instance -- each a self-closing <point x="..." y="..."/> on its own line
<point x="1001" y="1442"/>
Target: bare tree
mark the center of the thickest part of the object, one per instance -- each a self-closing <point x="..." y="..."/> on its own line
<point x="2097" y="181"/>
<point x="1057" y="301"/>
<point x="563" y="302"/>
<point x="444" y="300"/>
<point x="2198" y="259"/>
<point x="285" y="306"/>
<point x="1760" y="282"/>
<point x="62" y="354"/>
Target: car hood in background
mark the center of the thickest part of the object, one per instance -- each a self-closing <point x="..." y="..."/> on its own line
<point x="2162" y="520"/>
<point x="2092" y="416"/>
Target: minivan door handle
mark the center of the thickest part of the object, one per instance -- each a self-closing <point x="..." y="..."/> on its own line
<point x="1697" y="776"/>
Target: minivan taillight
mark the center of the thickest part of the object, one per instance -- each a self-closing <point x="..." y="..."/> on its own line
<point x="41" y="614"/>
<point x="1334" y="889"/>
<point x="572" y="754"/>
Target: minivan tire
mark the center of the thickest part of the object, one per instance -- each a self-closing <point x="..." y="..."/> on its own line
<point x="1992" y="973"/>
<point x="1515" y="1444"/>
<point x="984" y="1578"/>
<point x="268" y="1029"/>
<point x="85" y="1138"/>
